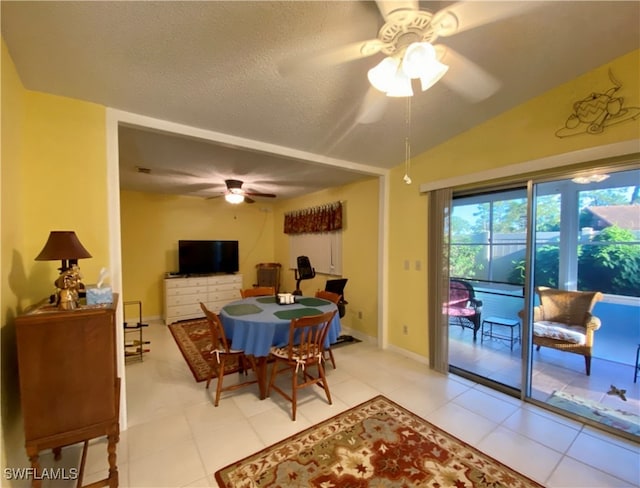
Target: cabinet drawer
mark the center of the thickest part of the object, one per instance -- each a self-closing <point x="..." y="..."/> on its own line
<point x="223" y="295"/>
<point x="225" y="287"/>
<point x="187" y="299"/>
<point x="233" y="280"/>
<point x="189" y="290"/>
<point x="173" y="283"/>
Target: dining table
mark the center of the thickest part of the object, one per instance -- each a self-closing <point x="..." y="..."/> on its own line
<point x="255" y="324"/>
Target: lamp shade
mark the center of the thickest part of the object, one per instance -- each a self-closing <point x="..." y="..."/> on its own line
<point x="63" y="245"/>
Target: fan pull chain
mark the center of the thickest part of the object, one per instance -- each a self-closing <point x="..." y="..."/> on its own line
<point x="407" y="143"/>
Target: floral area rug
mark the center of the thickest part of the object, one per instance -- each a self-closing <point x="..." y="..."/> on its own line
<point x="617" y="418"/>
<point x="194" y="341"/>
<point x="376" y="444"/>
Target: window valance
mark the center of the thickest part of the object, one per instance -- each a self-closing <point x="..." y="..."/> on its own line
<point x="323" y="218"/>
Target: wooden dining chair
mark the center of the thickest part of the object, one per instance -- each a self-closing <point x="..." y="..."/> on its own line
<point x="303" y="351"/>
<point x="335" y="298"/>
<point x="220" y="354"/>
<point x="258" y="291"/>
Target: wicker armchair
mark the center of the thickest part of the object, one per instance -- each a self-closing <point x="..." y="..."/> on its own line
<point x="563" y="321"/>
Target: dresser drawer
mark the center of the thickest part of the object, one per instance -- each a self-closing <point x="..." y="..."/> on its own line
<point x="226" y="295"/>
<point x="187" y="299"/>
<point x="187" y="290"/>
<point x="173" y="283"/>
<point x="228" y="280"/>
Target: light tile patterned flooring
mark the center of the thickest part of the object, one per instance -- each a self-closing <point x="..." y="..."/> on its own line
<point x="177" y="438"/>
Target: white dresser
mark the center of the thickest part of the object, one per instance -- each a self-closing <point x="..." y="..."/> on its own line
<point x="182" y="296"/>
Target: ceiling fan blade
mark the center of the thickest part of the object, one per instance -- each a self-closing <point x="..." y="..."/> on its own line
<point x="465" y="77"/>
<point x="372" y="107"/>
<point x="462" y="16"/>
<point x="248" y="200"/>
<point x="321" y="60"/>
<point x="258" y="194"/>
<point x="388" y="6"/>
<point x="145" y="170"/>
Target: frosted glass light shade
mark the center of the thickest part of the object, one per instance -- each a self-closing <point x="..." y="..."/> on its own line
<point x="234" y="198"/>
<point x="400" y="85"/>
<point x="381" y="76"/>
<point x="420" y="61"/>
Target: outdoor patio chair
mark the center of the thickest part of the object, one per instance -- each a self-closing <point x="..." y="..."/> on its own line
<point x="563" y="321"/>
<point x="463" y="308"/>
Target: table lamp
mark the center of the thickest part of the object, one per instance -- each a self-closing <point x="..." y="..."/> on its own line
<point x="65" y="245"/>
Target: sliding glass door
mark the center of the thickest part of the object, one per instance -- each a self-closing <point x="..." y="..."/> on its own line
<point x="587" y="239"/>
<point x="562" y="236"/>
<point x="488" y="235"/>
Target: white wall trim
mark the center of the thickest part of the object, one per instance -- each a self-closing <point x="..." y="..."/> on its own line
<point x="409" y="354"/>
<point x="383" y="261"/>
<point x="129" y="118"/>
<point x="564" y="159"/>
<point x="115" y="255"/>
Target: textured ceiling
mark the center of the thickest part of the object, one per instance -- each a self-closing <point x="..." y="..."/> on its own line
<point x="245" y="69"/>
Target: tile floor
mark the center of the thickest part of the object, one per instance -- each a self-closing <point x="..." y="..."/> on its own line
<point x="176" y="438"/>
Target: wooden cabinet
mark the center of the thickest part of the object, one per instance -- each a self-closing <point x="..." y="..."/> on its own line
<point x="182" y="296"/>
<point x="69" y="386"/>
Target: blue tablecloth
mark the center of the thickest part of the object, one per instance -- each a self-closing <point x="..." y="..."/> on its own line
<point x="255" y="331"/>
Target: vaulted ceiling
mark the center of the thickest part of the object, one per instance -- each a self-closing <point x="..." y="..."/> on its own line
<point x="275" y="73"/>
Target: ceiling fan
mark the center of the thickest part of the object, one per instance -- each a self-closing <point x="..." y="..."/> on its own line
<point x="408" y="37"/>
<point x="236" y="194"/>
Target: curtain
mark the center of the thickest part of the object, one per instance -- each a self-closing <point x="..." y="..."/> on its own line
<point x="324" y="218"/>
<point x="438" y="225"/>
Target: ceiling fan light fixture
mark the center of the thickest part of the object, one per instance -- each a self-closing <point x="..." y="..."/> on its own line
<point x="594" y="178"/>
<point x="382" y="75"/>
<point x="421" y="61"/>
<point x="234" y="198"/>
<point x="436" y="72"/>
<point x="400" y="85"/>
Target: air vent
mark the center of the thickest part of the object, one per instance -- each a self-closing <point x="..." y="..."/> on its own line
<point x="145" y="171"/>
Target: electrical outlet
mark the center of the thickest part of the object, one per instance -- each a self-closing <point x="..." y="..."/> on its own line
<point x="405" y="329"/>
<point x="418" y="265"/>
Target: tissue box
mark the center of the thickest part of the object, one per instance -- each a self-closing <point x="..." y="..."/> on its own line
<point x="96" y="295"/>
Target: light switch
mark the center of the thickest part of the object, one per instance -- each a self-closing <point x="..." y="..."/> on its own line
<point x="418" y="265"/>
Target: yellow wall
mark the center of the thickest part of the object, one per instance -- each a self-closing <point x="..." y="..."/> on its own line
<point x="11" y="242"/>
<point x="53" y="178"/>
<point x="522" y="134"/>
<point x="359" y="250"/>
<point x="152" y="224"/>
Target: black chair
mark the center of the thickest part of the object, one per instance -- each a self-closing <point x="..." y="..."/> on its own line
<point x="337" y="286"/>
<point x="304" y="272"/>
<point x="463" y="308"/>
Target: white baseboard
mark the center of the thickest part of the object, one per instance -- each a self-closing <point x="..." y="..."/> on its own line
<point x="373" y="341"/>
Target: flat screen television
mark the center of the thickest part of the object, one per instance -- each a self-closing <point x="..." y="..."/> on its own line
<point x="207" y="257"/>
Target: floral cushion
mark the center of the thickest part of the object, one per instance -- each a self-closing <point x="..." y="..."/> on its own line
<point x="574" y="334"/>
